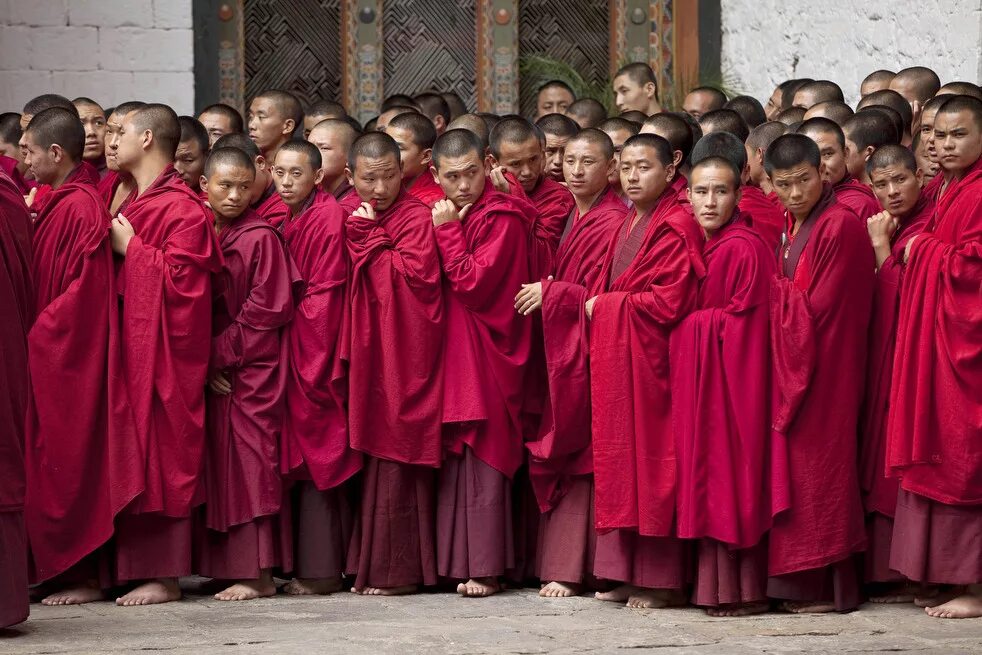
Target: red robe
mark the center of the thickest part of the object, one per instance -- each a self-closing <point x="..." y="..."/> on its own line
<point x="271" y="207"/>
<point x="242" y="480"/>
<point x="820" y="313"/>
<point x="768" y="219"/>
<point x="553" y="205"/>
<point x="484" y="259"/>
<point x="79" y="462"/>
<point x="934" y="187"/>
<point x="315" y="433"/>
<point x="425" y="189"/>
<point x="856" y="196"/>
<point x="165" y="284"/>
<point x="879" y="490"/>
<point x="647" y="284"/>
<point x="729" y="489"/>
<point x="107" y="186"/>
<point x="934" y="429"/>
<point x="16" y="298"/>
<point x="395" y="394"/>
<point x="562" y="447"/>
<point x="8" y="165"/>
<point x="84" y="173"/>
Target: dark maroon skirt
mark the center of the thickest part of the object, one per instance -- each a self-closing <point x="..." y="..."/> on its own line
<point x="650" y="562"/>
<point x="937" y="543"/>
<point x="567" y="537"/>
<point x="14" y="603"/>
<point x="726" y="576"/>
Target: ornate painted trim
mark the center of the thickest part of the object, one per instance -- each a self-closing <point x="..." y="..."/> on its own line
<point x="361" y="57"/>
<point x="497" y="56"/>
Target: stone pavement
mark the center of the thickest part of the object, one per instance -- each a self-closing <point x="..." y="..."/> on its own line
<point x="512" y="622"/>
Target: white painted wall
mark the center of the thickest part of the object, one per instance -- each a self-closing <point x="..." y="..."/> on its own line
<point x="768" y="41"/>
<point x="109" y="50"/>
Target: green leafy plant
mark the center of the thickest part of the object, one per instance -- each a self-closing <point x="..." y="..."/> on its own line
<point x="536" y="70"/>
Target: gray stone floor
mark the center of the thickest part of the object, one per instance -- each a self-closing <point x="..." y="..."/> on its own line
<point x="512" y="622"/>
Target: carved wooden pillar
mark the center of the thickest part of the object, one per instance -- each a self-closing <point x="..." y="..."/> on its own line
<point x="497" y="56"/>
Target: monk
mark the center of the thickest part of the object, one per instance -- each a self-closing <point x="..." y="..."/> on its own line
<point x="938" y="181"/>
<point x="757" y="189"/>
<point x="864" y="133"/>
<point x="557" y="129"/>
<point x="876" y="81"/>
<point x="835" y="111"/>
<point x="724" y="120"/>
<point x="619" y="131"/>
<point x="673" y="129"/>
<point x="44" y="101"/>
<point x="896" y="102"/>
<point x="587" y="112"/>
<point x="720" y="371"/>
<point x="16" y="296"/>
<point x="263" y="198"/>
<point x="333" y="138"/>
<point x="482" y="236"/>
<point x="314" y="452"/>
<point x="848" y="190"/>
<point x="70" y="503"/>
<point x="961" y="88"/>
<point x="167" y="253"/>
<point x="382" y="124"/>
<point x="810" y="94"/>
<point x="220" y="119"/>
<point x="928" y="169"/>
<point x="321" y="110"/>
<point x="273" y="118"/>
<point x="395" y="395"/>
<point x="475" y="124"/>
<point x="435" y="108"/>
<point x="457" y="106"/>
<point x="792" y="116"/>
<point x="916" y="84"/>
<point x="647" y="283"/>
<point x="415" y="138"/>
<point x="749" y="109"/>
<point x="239" y="540"/>
<point x="93" y="119"/>
<point x="936" y="394"/>
<point x="636" y="89"/>
<point x="896" y="182"/>
<point x="702" y="100"/>
<point x="117" y="185"/>
<point x="192" y="151"/>
<point x="775" y="103"/>
<point x="554" y="97"/>
<point x="820" y="310"/>
<point x="560" y="458"/>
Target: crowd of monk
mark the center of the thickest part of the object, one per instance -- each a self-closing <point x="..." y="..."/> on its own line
<point x="728" y="356"/>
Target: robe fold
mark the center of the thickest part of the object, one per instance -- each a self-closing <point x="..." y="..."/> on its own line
<point x="561" y="448"/>
<point x="425" y="189"/>
<point x="165" y="281"/>
<point x="271" y="207"/>
<point x="106" y="187"/>
<point x="768" y="219"/>
<point x="84" y="465"/>
<point x="553" y="204"/>
<point x="822" y="297"/>
<point x="647" y="284"/>
<point x="8" y="165"/>
<point x="315" y="433"/>
<point x="729" y="486"/>
<point x="856" y="196"/>
<point x="83" y="173"/>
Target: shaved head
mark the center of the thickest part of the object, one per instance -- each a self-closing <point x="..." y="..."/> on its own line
<point x="587" y="112"/>
<point x="724" y="120"/>
<point x="639" y="72"/>
<point x="958" y="104"/>
<point x="192" y="130"/>
<point x="891" y="115"/>
<point x="832" y="110"/>
<point x="373" y="145"/>
<point x="513" y="131"/>
<point x="663" y="149"/>
<point x="457" y="106"/>
<point x="327" y="109"/>
<point x="232" y="157"/>
<point x="674" y="130"/>
<point x="558" y="124"/>
<point x="876" y="81"/>
<point x="894" y="101"/>
<point x="433" y="105"/>
<point x="890" y="156"/>
<point x="722" y="145"/>
<point x="617" y="124"/>
<point x="474" y="124"/>
<point x="764" y="135"/>
<point x="47" y="101"/>
<point x="240" y="142"/>
<point x="399" y="100"/>
<point x="596" y="138"/>
<point x="229" y="113"/>
<point x="787" y="92"/>
<point x="791" y="116"/>
<point x="457" y="143"/>
<point x="749" y="108"/>
<point x="815" y="126"/>
<point x="962" y="89"/>
<point x="419" y="126"/>
<point x="163" y="123"/>
<point x="812" y="93"/>
<point x="870" y="129"/>
<point x="916" y="84"/>
<point x="59" y="126"/>
<point x="286" y="105"/>
<point x="124" y="108"/>
<point x="305" y="148"/>
<point x="792" y="150"/>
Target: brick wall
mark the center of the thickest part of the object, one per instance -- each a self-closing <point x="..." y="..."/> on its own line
<point x="109" y="50"/>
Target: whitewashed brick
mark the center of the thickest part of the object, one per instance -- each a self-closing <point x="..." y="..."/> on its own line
<point x="15" y="47"/>
<point x="17" y="87"/>
<point x="5" y="12"/>
<point x="174" y="89"/>
<point x="111" y="13"/>
<point x="38" y="12"/>
<point x="64" y="48"/>
<point x="108" y="88"/>
<point x="172" y="13"/>
<point x="127" y="48"/>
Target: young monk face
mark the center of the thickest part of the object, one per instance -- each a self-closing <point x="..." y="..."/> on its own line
<point x="631" y="96"/>
<point x="714" y="195"/>
<point x="189" y="162"/>
<point x="798" y="188"/>
<point x="44" y="163"/>
<point x="415" y="158"/>
<point x="525" y="160"/>
<point x="897" y="188"/>
<point x="295" y="178"/>
<point x="267" y="126"/>
<point x="555" y="148"/>
<point x="927" y="132"/>
<point x="697" y="103"/>
<point x="113" y="124"/>
<point x="127" y="144"/>
<point x="958" y="140"/>
<point x="334" y="152"/>
<point x="229" y="189"/>
<point x="462" y="178"/>
<point x="309" y="121"/>
<point x="377" y="179"/>
<point x="618" y="137"/>
<point x="94" y="121"/>
<point x="925" y="165"/>
<point x="833" y="156"/>
<point x="855" y="159"/>
<point x="773" y="106"/>
<point x="585" y="168"/>
<point x="643" y="177"/>
<point x="216" y="124"/>
<point x="553" y="100"/>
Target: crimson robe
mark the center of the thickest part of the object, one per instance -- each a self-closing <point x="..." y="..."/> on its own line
<point x="553" y="204"/>
<point x="83" y="173"/>
<point x="484" y="259"/>
<point x="165" y="281"/>
<point x="315" y="433"/>
<point x="9" y="166"/>
<point x="106" y="187"/>
<point x="561" y="449"/>
<point x="425" y="189"/>
<point x="271" y="207"/>
<point x="933" y="188"/>
<point x="647" y="284"/>
<point x="768" y="219"/>
<point x="729" y="487"/>
<point x="242" y="480"/>
<point x="80" y="463"/>
<point x="821" y="305"/>
<point x="16" y="298"/>
<point x="856" y="196"/>
<point x="934" y="428"/>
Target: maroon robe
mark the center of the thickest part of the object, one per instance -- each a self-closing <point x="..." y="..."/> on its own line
<point x="271" y="207"/>
<point x="553" y="203"/>
<point x="768" y="219"/>
<point x="826" y="292"/>
<point x="83" y="173"/>
<point x="106" y="187"/>
<point x="856" y="196"/>
<point x="16" y="297"/>
<point x="79" y="462"/>
<point x="934" y="188"/>
<point x="425" y="189"/>
<point x="8" y="165"/>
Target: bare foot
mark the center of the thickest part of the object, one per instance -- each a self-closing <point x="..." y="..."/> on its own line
<point x="479" y="587"/>
<point x="807" y="607"/>
<point x="248" y="590"/>
<point x="647" y="599"/>
<point x="966" y="606"/>
<point x="387" y="591"/>
<point x="560" y="590"/>
<point x="162" y="590"/>
<point x="900" y="592"/>
<point x="312" y="586"/>
<point x="75" y="596"/>
<point x="618" y="595"/>
<point x="739" y="609"/>
<point x="934" y="596"/>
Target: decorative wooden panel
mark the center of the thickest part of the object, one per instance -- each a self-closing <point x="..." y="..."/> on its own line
<point x="497" y="56"/>
<point x="294" y="46"/>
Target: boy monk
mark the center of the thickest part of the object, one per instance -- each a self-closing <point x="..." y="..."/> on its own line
<point x="647" y="284"/>
<point x="557" y="129"/>
<point x="321" y="110"/>
<point x="674" y="129"/>
<point x="933" y="438"/>
<point x="117" y="185"/>
<point x="482" y="236"/>
<point x="315" y="452"/>
<point x="832" y="145"/>
<point x="416" y="139"/>
<point x="168" y="253"/>
<point x="822" y="308"/>
<point x="636" y="89"/>
<point x="333" y="138"/>
<point x="560" y="458"/>
<point x="192" y="151"/>
<point x="93" y="119"/>
<point x="247" y="376"/>
<point x="273" y="118"/>
<point x="395" y="408"/>
<point x="220" y="119"/>
<point x="263" y="198"/>
<point x="864" y="133"/>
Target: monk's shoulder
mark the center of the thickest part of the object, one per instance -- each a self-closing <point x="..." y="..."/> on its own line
<point x="82" y="201"/>
<point x="683" y="223"/>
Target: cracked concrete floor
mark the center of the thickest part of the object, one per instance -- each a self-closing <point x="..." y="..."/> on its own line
<point x="512" y="622"/>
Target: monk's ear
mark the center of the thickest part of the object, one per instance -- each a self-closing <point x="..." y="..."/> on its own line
<point x="203" y="183"/>
<point x="427" y="156"/>
<point x="688" y="194"/>
<point x="611" y="166"/>
<point x="440" y="123"/>
<point x="670" y="172"/>
<point x="146" y="140"/>
<point x="822" y="169"/>
<point x="919" y="174"/>
<point x="649" y="89"/>
<point x="760" y="156"/>
<point x="436" y="175"/>
<point x="57" y="152"/>
<point x="868" y="153"/>
<point x="739" y="193"/>
<point x="488" y="163"/>
<point x="493" y="161"/>
<point x="745" y="174"/>
<point x="289" y="127"/>
<point x="261" y="163"/>
<point x="677" y="159"/>
<point x="348" y="173"/>
<point x="318" y="176"/>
